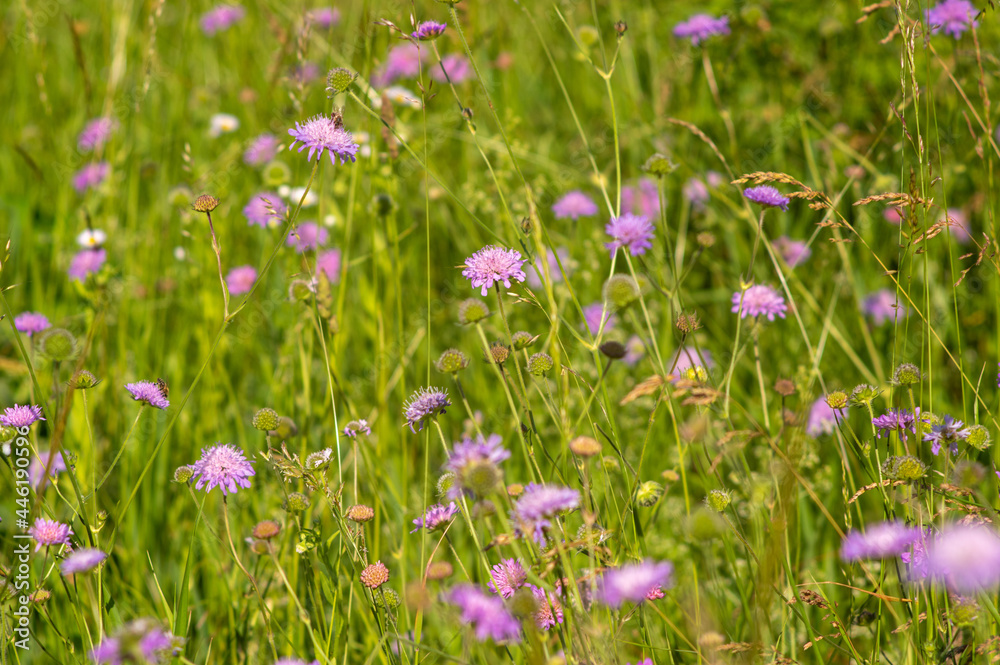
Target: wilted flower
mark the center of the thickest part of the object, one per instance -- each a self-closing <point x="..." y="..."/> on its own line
<point x="486" y="614"/>
<point x="223" y="466"/>
<point x="240" y="280"/>
<point x="321" y="133"/>
<point x="148" y="392"/>
<point x="700" y="27"/>
<point x="633" y="232"/>
<point x="879" y="541"/>
<point x="574" y="205"/>
<point x="759" y="300"/>
<point x="360" y="513"/>
<point x="493" y="265"/>
<point x="632" y="582"/>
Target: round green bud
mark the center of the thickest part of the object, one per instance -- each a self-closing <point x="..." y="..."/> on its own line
<point x="339" y="80"/>
<point x="906" y="374"/>
<point x="276" y="174"/>
<point x="864" y="395"/>
<point x="182" y="474"/>
<point x="83" y="380"/>
<point x="452" y="361"/>
<point x="481" y="477"/>
<point x="904" y="467"/>
<point x="265" y="420"/>
<point x="7" y="433"/>
<point x="472" y="311"/>
<point x="57" y="344"/>
<point x="621" y="291"/>
<point x="613" y="350"/>
<point x="718" y="500"/>
<point x="445" y="483"/>
<point x="385" y="597"/>
<point x="648" y="493"/>
<point x="978" y="437"/>
<point x="522" y="339"/>
<point x="296" y="502"/>
<point x="659" y="165"/>
<point x="539" y="364"/>
<point x="837" y="399"/>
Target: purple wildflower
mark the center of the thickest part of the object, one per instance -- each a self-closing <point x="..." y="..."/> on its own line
<point x="950" y="432"/>
<point x="634" y="351"/>
<point x="305" y="72"/>
<point x="574" y="205"/>
<point x="31" y="322"/>
<point x="148" y="392"/>
<point x="474" y="463"/>
<point x="355" y="427"/>
<point x="240" y="280"/>
<point x="90" y="176"/>
<point x="307" y="236"/>
<point x="767" y="196"/>
<point x="644" y="661"/>
<point x="700" y="27"/>
<point x="696" y="192"/>
<point x="894" y="420"/>
<point x="879" y="541"/>
<point x="592" y="318"/>
<point x="428" y="30"/>
<point x="642" y="200"/>
<point x="486" y="614"/>
<point x="760" y="300"/>
<point x="793" y="252"/>
<point x="966" y="557"/>
<point x="423" y="404"/>
<point x="324" y="17"/>
<point x="294" y="661"/>
<point x="402" y="61"/>
<point x="822" y="418"/>
<point x="21" y="415"/>
<point x="141" y="640"/>
<point x="893" y="215"/>
<point x="436" y="516"/>
<point x="82" y="561"/>
<point x="47" y="532"/>
<point x="456" y="67"/>
<point x="264" y="207"/>
<point x="958" y="225"/>
<point x="261" y="150"/>
<point x="321" y="133"/>
<point x="507" y="577"/>
<point x="549" y="612"/>
<point x="882" y="306"/>
<point x="916" y="558"/>
<point x="95" y="134"/>
<point x="632" y="231"/>
<point x="86" y="262"/>
<point x="221" y="18"/>
<point x="223" y="466"/>
<point x="493" y="264"/>
<point x="952" y="16"/>
<point x="535" y="271"/>
<point x="687" y="363"/>
<point x="328" y="263"/>
<point x="36" y="470"/>
<point x="540" y="502"/>
<point x="632" y="582"/>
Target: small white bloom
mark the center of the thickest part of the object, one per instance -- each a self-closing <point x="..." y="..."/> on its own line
<point x="179" y="253"/>
<point x="223" y="123"/>
<point x="295" y="194"/>
<point x="403" y="97"/>
<point x="284" y="191"/>
<point x="329" y="220"/>
<point x="91" y="238"/>
<point x="366" y="151"/>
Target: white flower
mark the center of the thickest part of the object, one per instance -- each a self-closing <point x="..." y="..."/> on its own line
<point x="91" y="238"/>
<point x="400" y="95"/>
<point x="179" y="253"/>
<point x="329" y="220"/>
<point x="295" y="194"/>
<point x="223" y="123"/>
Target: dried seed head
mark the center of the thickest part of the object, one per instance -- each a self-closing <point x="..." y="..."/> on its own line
<point x="375" y="575"/>
<point x="205" y="203"/>
<point x="621" y="27"/>
<point x="705" y="239"/>
<point x="687" y="323"/>
<point x="837" y="399"/>
<point x="784" y="387"/>
<point x="585" y="446"/>
<point x="360" y="513"/>
<point x="266" y="530"/>
<point x="499" y="353"/>
<point x="439" y="570"/>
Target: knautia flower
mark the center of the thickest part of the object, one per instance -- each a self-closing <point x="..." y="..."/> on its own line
<point x="325" y="133"/>
<point x="540" y="502"/>
<point x="95" y="134"/>
<point x="261" y="150"/>
<point x="328" y="263"/>
<point x="86" y="262"/>
<point x="632" y="582"/>
<point x="294" y="661"/>
<point x="82" y="561"/>
<point x="822" y="418"/>
<point x="240" y="280"/>
<point x="949" y="432"/>
<point x="223" y="466"/>
<point x="149" y="393"/>
<point x="592" y="318"/>
<point x="21" y="415"/>
<point x="635" y="350"/>
<point x="696" y="192"/>
<point x="355" y="427"/>
<point x="30" y="323"/>
<point x="700" y="27"/>
<point x="436" y="516"/>
<point x="895" y="420"/>
<point x="536" y="269"/>
<point x="574" y="205"/>
<point x="486" y="614"/>
<point x="549" y="611"/>
<point x="632" y="232"/>
<point x="307" y="236"/>
<point x="36" y="470"/>
<point x="90" y="176"/>
<point x="642" y="199"/>
<point x="139" y="641"/>
<point x="221" y="18"/>
<point x="424" y="404"/>
<point x="879" y="541"/>
<point x="507" y="577"/>
<point x="793" y="252"/>
<point x="953" y="17"/>
<point x="428" y="30"/>
<point x="375" y="575"/>
<point x="475" y="464"/>
<point x="766" y="196"/>
<point x="402" y="61"/>
<point x="46" y="533"/>
<point x="222" y="123"/>
<point x="760" y="300"/>
<point x="264" y="207"/>
<point x="493" y="265"/>
<point x="882" y="306"/>
<point x="455" y="66"/>
<point x="966" y="557"/>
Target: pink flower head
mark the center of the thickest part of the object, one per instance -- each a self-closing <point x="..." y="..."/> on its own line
<point x="90" y="176"/>
<point x="759" y="300"/>
<point x="324" y="17"/>
<point x="793" y="252"/>
<point x="535" y="271"/>
<point x="822" y="418"/>
<point x="507" y="577"/>
<point x="224" y="466"/>
<point x="641" y="199"/>
<point x="82" y="561"/>
<point x="36" y="470"/>
<point x="328" y="263"/>
<point x="148" y="392"/>
<point x="633" y="582"/>
<point x="47" y="532"/>
<point x="879" y="541"/>
<point x="882" y="306"/>
<point x="19" y="415"/>
<point x="954" y="17"/>
<point x="86" y="262"/>
<point x="767" y="196"/>
<point x="700" y="27"/>
<point x="491" y="265"/>
<point x="428" y="30"/>
<point x="403" y="61"/>
<point x="221" y="18"/>
<point x="240" y="280"/>
<point x="696" y="192"/>
<point x="574" y="205"/>
<point x="592" y="318"/>
<point x="966" y="557"/>
<point x="306" y="236"/>
<point x="321" y="133"/>
<point x="958" y="224"/>
<point x="549" y="612"/>
<point x="264" y="207"/>
<point x="95" y="134"/>
<point x="435" y="517"/>
<point x="486" y="614"/>
<point x="261" y="150"/>
<point x="457" y="68"/>
<point x="30" y="323"/>
<point x="629" y="231"/>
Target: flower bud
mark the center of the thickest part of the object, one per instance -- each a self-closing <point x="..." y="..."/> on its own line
<point x="621" y="291"/>
<point x="57" y="344"/>
<point x="906" y="374"/>
<point x="523" y="340"/>
<point x="837" y="399"/>
<point x="718" y="500"/>
<point x="472" y="311"/>
<point x="205" y="203"/>
<point x="360" y="513"/>
<point x="648" y="493"/>
<point x="452" y="361"/>
<point x="585" y="446"/>
<point x="266" y="530"/>
<point x="83" y="380"/>
<point x="182" y="474"/>
<point x="266" y="419"/>
<point x="296" y="502"/>
<point x="539" y="364"/>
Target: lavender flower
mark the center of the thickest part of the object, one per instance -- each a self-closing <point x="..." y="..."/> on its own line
<point x="294" y="661"/>
<point x="21" y="415"/>
<point x="880" y="541"/>
<point x="355" y="427"/>
<point x="882" y="306"/>
<point x="760" y="300"/>
<point x="632" y="582"/>
<point x="307" y="236"/>
<point x="766" y="196"/>
<point x="688" y="364"/>
<point x="148" y="392"/>
<point x="86" y="262"/>
<point x="36" y="470"/>
<point x="822" y="418"/>
<point x="324" y="17"/>
<point x="82" y="561"/>
<point x="630" y="231"/>
<point x="549" y="612"/>
<point x="700" y="27"/>
<point x="261" y="150"/>
<point x="966" y="557"/>
<point x="592" y="314"/>
<point x="952" y="16"/>
<point x="898" y="420"/>
<point x="401" y="62"/>
<point x="634" y="351"/>
<point x="328" y="263"/>
<point x="424" y="404"/>
<point x="507" y="577"/>
<point x="436" y="516"/>
<point x="428" y="30"/>
<point x="696" y="192"/>
<point x="264" y="207"/>
<point x="47" y="532"/>
<point x="574" y="205"/>
<point x="794" y="252"/>
<point x="916" y="558"/>
<point x="223" y="466"/>
<point x="321" y="133"/>
<point x="642" y="199"/>
<point x="486" y="614"/>
<point x="958" y="225"/>
<point x="90" y="176"/>
<point x="540" y="502"/>
<point x="30" y="323"/>
<point x="141" y="640"/>
<point x="475" y="465"/>
<point x="456" y="67"/>
<point x="221" y="18"/>
<point x="240" y="280"/>
<point x="95" y="134"/>
<point x="949" y="432"/>
<point x="493" y="265"/>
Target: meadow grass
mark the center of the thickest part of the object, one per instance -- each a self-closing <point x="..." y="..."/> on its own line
<point x="716" y="488"/>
